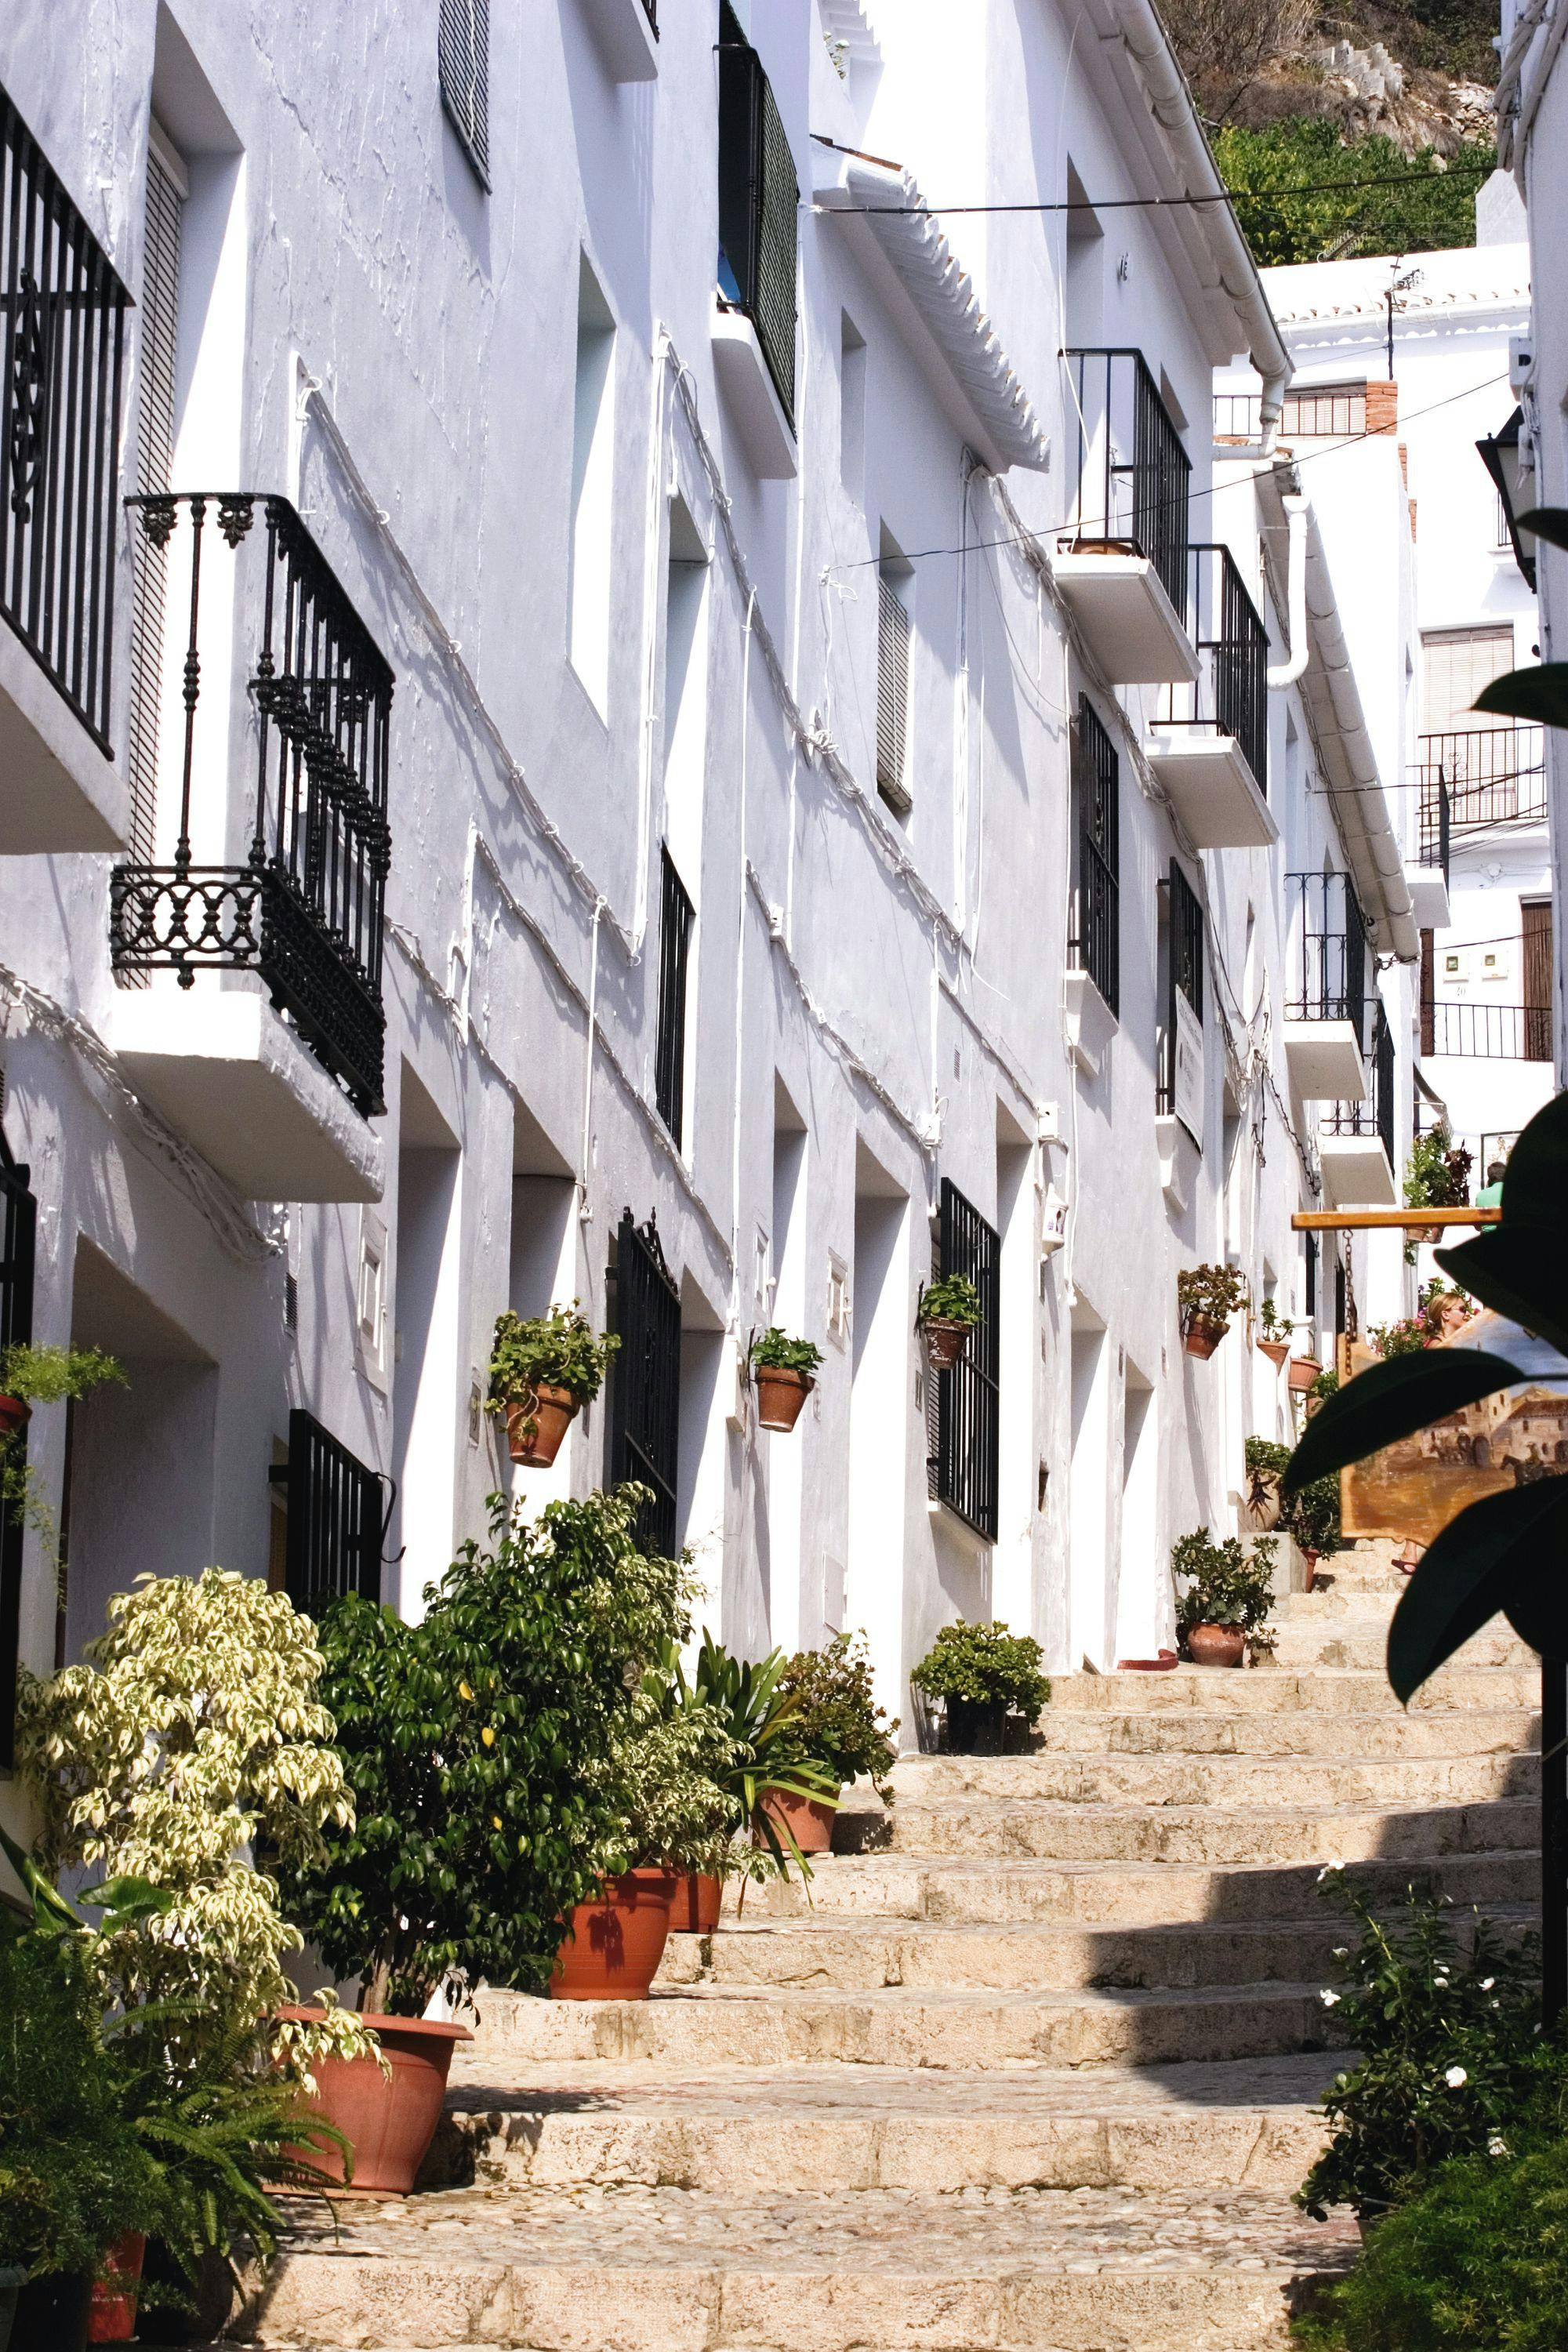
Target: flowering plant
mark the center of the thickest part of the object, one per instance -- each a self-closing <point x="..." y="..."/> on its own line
<point x="1447" y="2028"/>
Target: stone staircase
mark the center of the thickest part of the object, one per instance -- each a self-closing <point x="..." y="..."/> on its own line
<point x="1033" y="2069"/>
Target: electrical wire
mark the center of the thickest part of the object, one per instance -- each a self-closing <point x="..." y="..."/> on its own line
<point x="1162" y="204"/>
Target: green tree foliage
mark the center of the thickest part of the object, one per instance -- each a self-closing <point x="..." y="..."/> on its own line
<point x="1433" y="207"/>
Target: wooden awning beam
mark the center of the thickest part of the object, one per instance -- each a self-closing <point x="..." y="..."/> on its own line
<point x="1339" y="1221"/>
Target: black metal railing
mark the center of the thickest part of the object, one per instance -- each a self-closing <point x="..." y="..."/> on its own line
<point x="644" y="1421"/>
<point x="1317" y="412"/>
<point x="1133" y="477"/>
<point x="1436" y="823"/>
<point x="338" y="1511"/>
<point x="964" y="1421"/>
<point x="1491" y="1032"/>
<point x="305" y="908"/>
<point x="1375" y="1114"/>
<point x="1183" y="979"/>
<point x="759" y="197"/>
<point x="18" y="1229"/>
<point x="651" y="10"/>
<point x="1493" y="775"/>
<point x="62" y="328"/>
<point x="1095" y="943"/>
<point x="670" y="1043"/>
<point x="1232" y="689"/>
<point x="1327" y="969"/>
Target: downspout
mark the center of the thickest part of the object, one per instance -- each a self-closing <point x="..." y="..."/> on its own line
<point x="1171" y="103"/>
<point x="1296" y="509"/>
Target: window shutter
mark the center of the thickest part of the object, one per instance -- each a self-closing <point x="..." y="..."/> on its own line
<point x="892" y="696"/>
<point x="1458" y="663"/>
<point x="759" y="197"/>
<point x="336" y="1517"/>
<point x="670" y="1045"/>
<point x="644" y="1424"/>
<point x="159" y="313"/>
<point x="464" y="62"/>
<point x="1097" y="785"/>
<point x="18" y="1224"/>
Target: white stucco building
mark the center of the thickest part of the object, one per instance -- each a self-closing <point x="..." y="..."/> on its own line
<point x="707" y="791"/>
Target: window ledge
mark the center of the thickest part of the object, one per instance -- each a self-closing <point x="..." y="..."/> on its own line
<point x="1090" y="1024"/>
<point x="748" y="388"/>
<point x="1179" y="1158"/>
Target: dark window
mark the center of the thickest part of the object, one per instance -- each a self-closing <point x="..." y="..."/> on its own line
<point x="1184" y="975"/>
<point x="18" y="1221"/>
<point x="758" y="198"/>
<point x="1327" y="980"/>
<point x="892" y="695"/>
<point x="1311" y="1240"/>
<point x="670" y="1049"/>
<point x="337" y="1515"/>
<point x="964" y="1425"/>
<point x="1341" y="1300"/>
<point x="645" y="1378"/>
<point x="1097" y="794"/>
<point x="1139" y="501"/>
<point x="464" y="58"/>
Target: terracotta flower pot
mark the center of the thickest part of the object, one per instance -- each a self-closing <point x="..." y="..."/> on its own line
<point x="809" y="1823"/>
<point x="1430" y="1233"/>
<point x="15" y="1413"/>
<point x="1275" y="1349"/>
<point x="945" y="1341"/>
<point x="612" y="1950"/>
<point x="389" y="2121"/>
<point x="536" y="1423"/>
<point x="698" y="1899"/>
<point x="1304" y="1370"/>
<point x="977" y="1726"/>
<point x="1263" y="1505"/>
<point x="781" y="1395"/>
<point x="111" y="2315"/>
<point x="51" y="2313"/>
<point x="1165" y="1664"/>
<point x="1201" y="1334"/>
<point x="1216" y="1645"/>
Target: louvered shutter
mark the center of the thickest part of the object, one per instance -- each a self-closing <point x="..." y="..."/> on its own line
<point x="160" y="315"/>
<point x="892" y="696"/>
<point x="759" y="198"/>
<point x="1458" y="663"/>
<point x="464" y="58"/>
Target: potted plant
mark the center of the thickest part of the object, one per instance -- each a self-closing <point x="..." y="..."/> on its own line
<point x="1266" y="1463"/>
<point x="1207" y="1297"/>
<point x="1437" y="1176"/>
<point x="1303" y="1375"/>
<point x="836" y="1722"/>
<point x="989" y="1681"/>
<point x="783" y="1371"/>
<point x="1274" y="1331"/>
<point x="948" y="1311"/>
<point x="542" y="1369"/>
<point x="1228" y="1595"/>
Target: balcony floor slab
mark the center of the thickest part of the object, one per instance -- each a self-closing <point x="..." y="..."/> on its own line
<point x="1213" y="788"/>
<point x="1356" y="1174"/>
<point x="1324" y="1059"/>
<point x="226" y="1070"/>
<point x="1128" y="623"/>
<point x="58" y="791"/>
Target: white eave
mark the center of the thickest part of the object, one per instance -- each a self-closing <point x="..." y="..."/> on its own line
<point x="914" y="248"/>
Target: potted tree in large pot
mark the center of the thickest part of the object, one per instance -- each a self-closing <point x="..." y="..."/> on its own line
<point x="784" y="1374"/>
<point x="948" y="1312"/>
<point x="1207" y="1297"/>
<point x="989" y="1681"/>
<point x="1224" y="1593"/>
<point x="544" y="1370"/>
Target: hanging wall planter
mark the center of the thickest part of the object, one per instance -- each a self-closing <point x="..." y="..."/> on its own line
<point x="1207" y="1299"/>
<point x="1304" y="1370"/>
<point x="1201" y="1334"/>
<point x="1275" y="1349"/>
<point x="536" y="1423"/>
<point x="784" y="1370"/>
<point x="542" y="1370"/>
<point x="948" y="1312"/>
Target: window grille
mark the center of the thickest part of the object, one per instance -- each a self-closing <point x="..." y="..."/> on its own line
<point x="964" y="1419"/>
<point x="1184" y="977"/>
<point x="1328" y="955"/>
<point x="759" y="197"/>
<point x="338" y="1512"/>
<point x="892" y="696"/>
<point x="1096" y="945"/>
<point x="1141" y="500"/>
<point x="644" y="1428"/>
<point x="18" y="1222"/>
<point x="463" y="54"/>
<point x="669" y="1048"/>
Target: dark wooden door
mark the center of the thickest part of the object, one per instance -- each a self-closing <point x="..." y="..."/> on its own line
<point x="1535" y="926"/>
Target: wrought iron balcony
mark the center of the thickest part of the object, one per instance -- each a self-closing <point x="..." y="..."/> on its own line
<point x="1374" y="1115"/>
<point x="62" y="342"/>
<point x="1490" y="1032"/>
<point x="1328" y="957"/>
<point x="304" y="907"/>
<point x="1493" y="775"/>
<point x="1210" y="742"/>
<point x="1436" y="823"/>
<point x="1132" y="475"/>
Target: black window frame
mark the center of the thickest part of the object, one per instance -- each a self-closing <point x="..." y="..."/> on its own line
<point x="963" y="1405"/>
<point x="1096" y="944"/>
<point x="463" y="71"/>
<point x="759" y="204"/>
<point x="675" y="913"/>
<point x="19" y="1238"/>
<point x="642" y="1430"/>
<point x="337" y="1509"/>
<point x="1183" y="972"/>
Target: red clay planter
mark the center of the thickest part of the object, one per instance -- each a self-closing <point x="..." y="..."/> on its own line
<point x="612" y="1950"/>
<point x="388" y="2120"/>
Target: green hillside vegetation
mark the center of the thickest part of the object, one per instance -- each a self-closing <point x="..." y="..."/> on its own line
<point x="1435" y="206"/>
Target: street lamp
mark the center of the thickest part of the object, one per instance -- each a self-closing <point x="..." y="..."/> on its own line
<point x="1499" y="454"/>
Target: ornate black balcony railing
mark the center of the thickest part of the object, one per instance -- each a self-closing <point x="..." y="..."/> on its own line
<point x="1375" y="1114"/>
<point x="304" y="910"/>
<point x="62" y="339"/>
<point x="1133" y="476"/>
<point x="1436" y="822"/>
<point x="1491" y="1032"/>
<point x="1232" y="689"/>
<point x="1493" y="775"/>
<point x="1327" y="967"/>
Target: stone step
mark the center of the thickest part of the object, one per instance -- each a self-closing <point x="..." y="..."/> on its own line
<point x="704" y="2025"/>
<point x="868" y="1955"/>
<point x="1349" y="1571"/>
<point x="673" y="2270"/>
<point x="1251" y="2123"/>
<point x="1258" y="1835"/>
<point x="1281" y="1689"/>
<point x="1196" y="1730"/>
<point x="927" y="1783"/>
<point x="1299" y="1646"/>
<point x="1333" y="1602"/>
<point x="1128" y="1894"/>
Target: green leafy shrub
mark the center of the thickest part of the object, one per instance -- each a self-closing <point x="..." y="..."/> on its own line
<point x="1437" y="1172"/>
<point x="1430" y="205"/>
<point x="1325" y="1384"/>
<point x="952" y="1298"/>
<point x="561" y="1350"/>
<point x="49" y="1375"/>
<point x="1214" y="1290"/>
<point x="984" y="1665"/>
<point x="475" y="1745"/>
<point x="774" y="1350"/>
<point x="1449" y="2048"/>
<point x="1312" y="1514"/>
<point x="1223" y="1583"/>
<point x="836" y="1720"/>
<point x="766" y="1757"/>
<point x="1272" y="1321"/>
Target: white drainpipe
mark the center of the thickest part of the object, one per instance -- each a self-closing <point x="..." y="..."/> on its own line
<point x="1297" y="511"/>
